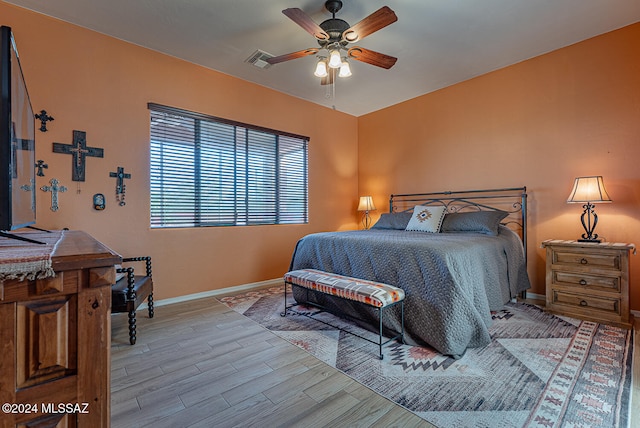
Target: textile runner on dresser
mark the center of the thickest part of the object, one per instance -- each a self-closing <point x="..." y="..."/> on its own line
<point x="539" y="370"/>
<point x="25" y="260"/>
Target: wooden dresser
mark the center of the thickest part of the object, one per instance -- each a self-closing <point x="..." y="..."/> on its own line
<point x="589" y="281"/>
<point x="55" y="338"/>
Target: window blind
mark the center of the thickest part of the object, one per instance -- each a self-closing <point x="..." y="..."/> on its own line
<point x="207" y="171"/>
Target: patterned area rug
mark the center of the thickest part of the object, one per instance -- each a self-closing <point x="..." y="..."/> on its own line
<point x="538" y="371"/>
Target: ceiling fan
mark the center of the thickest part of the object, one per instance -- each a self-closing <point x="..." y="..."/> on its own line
<point x="334" y="35"/>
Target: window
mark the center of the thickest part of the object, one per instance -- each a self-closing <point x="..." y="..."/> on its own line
<point x="207" y="171"/>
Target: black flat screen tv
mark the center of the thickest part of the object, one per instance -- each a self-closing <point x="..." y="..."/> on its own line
<point x="17" y="142"/>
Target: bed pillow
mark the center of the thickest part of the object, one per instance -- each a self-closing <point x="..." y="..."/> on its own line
<point x="397" y="221"/>
<point x="426" y="219"/>
<point x="486" y="222"/>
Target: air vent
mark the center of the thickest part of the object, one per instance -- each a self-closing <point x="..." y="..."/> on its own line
<point x="259" y="59"/>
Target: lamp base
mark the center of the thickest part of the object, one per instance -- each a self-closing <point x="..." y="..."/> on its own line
<point x="594" y="241"/>
<point x="366" y="220"/>
<point x="589" y="227"/>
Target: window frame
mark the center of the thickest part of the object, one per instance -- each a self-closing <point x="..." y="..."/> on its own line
<point x="243" y="216"/>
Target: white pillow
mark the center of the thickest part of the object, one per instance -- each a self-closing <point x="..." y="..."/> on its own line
<point x="426" y="218"/>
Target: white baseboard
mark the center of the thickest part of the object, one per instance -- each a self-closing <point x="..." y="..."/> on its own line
<point x="213" y="293"/>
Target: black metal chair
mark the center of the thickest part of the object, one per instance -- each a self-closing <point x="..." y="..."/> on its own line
<point x="131" y="290"/>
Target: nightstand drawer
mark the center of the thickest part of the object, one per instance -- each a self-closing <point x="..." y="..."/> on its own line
<point x="585" y="302"/>
<point x="602" y="259"/>
<point x="591" y="282"/>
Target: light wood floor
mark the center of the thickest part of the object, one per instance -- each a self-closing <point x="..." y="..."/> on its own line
<point x="201" y="364"/>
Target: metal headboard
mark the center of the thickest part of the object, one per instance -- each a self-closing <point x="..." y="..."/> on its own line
<point x="511" y="200"/>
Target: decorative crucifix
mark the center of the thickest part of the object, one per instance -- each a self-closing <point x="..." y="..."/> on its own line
<point x="31" y="187"/>
<point x="79" y="151"/>
<point x="120" y="186"/>
<point x="54" y="189"/>
<point x="40" y="165"/>
<point x="43" y="117"/>
<point x="19" y="144"/>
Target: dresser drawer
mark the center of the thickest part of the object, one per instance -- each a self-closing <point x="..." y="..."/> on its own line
<point x="593" y="259"/>
<point x="586" y="281"/>
<point x="586" y="303"/>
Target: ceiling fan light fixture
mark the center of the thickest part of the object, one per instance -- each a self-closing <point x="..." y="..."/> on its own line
<point x="335" y="61"/>
<point x="334" y="36"/>
<point x="321" y="69"/>
<point x="345" y="70"/>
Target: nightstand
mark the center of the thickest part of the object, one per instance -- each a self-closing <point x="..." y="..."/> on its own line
<point x="589" y="281"/>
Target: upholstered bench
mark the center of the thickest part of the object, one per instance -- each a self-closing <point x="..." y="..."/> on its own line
<point x="370" y="293"/>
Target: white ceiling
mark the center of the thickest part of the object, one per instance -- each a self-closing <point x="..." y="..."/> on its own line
<point x="437" y="42"/>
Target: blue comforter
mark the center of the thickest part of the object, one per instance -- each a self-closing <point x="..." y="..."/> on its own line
<point x="452" y="280"/>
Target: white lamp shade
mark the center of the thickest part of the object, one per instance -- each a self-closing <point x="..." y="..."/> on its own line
<point x="321" y="69"/>
<point x="335" y="61"/>
<point x="345" y="70"/>
<point x="366" y="204"/>
<point x="588" y="189"/>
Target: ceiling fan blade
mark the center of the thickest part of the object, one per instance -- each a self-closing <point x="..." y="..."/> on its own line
<point x="372" y="23"/>
<point x="293" y="55"/>
<point x="372" y="57"/>
<point x="302" y="19"/>
<point x="328" y="79"/>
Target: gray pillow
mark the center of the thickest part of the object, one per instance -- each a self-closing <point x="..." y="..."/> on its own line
<point x="393" y="221"/>
<point x="486" y="222"/>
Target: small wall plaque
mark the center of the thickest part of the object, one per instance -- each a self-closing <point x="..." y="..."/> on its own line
<point x="98" y="202"/>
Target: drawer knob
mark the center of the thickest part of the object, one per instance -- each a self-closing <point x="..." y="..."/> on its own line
<point x="583" y="282"/>
<point x="583" y="303"/>
<point x="584" y="261"/>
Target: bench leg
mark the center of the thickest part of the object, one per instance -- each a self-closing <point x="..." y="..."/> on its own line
<point x="381" y="313"/>
<point x="401" y="336"/>
<point x="402" y="322"/>
<point x="132" y="327"/>
<point x="150" y="304"/>
<point x="284" y="312"/>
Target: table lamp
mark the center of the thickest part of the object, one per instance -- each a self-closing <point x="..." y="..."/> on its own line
<point x="589" y="190"/>
<point x="366" y="205"/>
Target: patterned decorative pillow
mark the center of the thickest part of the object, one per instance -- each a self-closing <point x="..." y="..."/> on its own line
<point x="486" y="222"/>
<point x="426" y="218"/>
<point x="397" y="221"/>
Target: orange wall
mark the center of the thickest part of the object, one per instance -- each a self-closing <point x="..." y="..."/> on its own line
<point x="539" y="123"/>
<point x="101" y="85"/>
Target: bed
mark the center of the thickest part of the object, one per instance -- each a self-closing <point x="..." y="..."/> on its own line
<point x="453" y="277"/>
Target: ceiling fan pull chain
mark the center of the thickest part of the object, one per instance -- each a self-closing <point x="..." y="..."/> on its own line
<point x="333" y="88"/>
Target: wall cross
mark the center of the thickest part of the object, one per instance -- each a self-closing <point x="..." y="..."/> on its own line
<point x="40" y="165"/>
<point x="20" y="144"/>
<point x="43" y="117"/>
<point x="31" y="187"/>
<point x="54" y="189"/>
<point x="120" y="186"/>
<point x="79" y="151"/>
